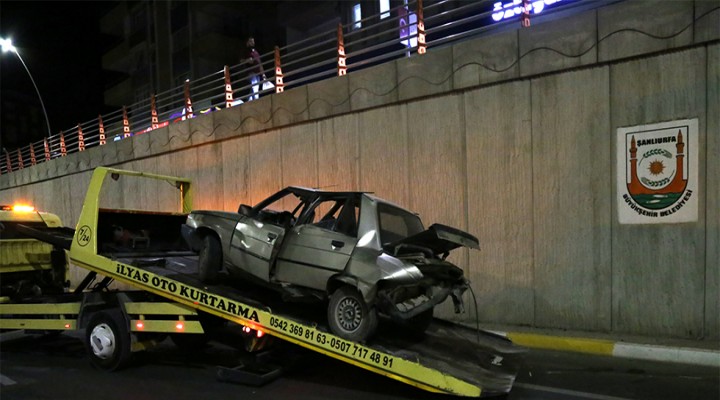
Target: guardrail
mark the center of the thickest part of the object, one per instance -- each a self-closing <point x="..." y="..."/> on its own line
<point x="402" y="31"/>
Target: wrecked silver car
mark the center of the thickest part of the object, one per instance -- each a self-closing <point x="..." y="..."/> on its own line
<point x="366" y="255"/>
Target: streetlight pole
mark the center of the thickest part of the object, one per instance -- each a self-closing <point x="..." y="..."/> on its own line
<point x="8" y="46"/>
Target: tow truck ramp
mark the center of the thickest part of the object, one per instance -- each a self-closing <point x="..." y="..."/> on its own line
<point x="447" y="358"/>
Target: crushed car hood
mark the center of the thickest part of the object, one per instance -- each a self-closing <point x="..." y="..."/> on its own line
<point x="438" y="238"/>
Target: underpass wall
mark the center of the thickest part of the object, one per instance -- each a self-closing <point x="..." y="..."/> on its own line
<point x="511" y="137"/>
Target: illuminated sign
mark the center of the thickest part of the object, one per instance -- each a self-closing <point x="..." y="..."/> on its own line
<point x="408" y="27"/>
<point x="515" y="8"/>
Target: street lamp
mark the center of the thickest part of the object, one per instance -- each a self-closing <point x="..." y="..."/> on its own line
<point x="7" y="45"/>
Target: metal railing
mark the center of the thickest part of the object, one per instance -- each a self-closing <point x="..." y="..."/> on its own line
<point x="406" y="30"/>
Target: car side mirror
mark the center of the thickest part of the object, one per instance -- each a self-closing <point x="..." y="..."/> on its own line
<point x="244" y="209"/>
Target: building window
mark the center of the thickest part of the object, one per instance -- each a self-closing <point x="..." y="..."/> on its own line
<point x="356" y="16"/>
<point x="384" y="9"/>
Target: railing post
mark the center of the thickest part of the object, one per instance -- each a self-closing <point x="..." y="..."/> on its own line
<point x="341" y="65"/>
<point x="8" y="161"/>
<point x="422" y="46"/>
<point x="228" y="88"/>
<point x="525" y="19"/>
<point x="33" y="160"/>
<point x="154" y="123"/>
<point x="188" y="103"/>
<point x="47" y="150"/>
<point x="126" y="124"/>
<point x="20" y="160"/>
<point x="81" y="139"/>
<point x="63" y="149"/>
<point x="279" y="85"/>
<point x="101" y="129"/>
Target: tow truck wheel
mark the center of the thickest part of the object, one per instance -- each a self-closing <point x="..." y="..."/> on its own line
<point x="209" y="259"/>
<point x="107" y="340"/>
<point x="349" y="316"/>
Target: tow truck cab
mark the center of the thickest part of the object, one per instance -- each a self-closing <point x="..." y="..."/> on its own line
<point x="29" y="267"/>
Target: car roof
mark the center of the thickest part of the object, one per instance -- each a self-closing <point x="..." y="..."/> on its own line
<point x="300" y="190"/>
<point x="308" y="192"/>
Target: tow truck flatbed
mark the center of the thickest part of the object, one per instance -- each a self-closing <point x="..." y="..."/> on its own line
<point x="457" y="351"/>
<point x="447" y="359"/>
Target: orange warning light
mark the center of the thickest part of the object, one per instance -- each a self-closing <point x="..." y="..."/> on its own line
<point x="23" y="208"/>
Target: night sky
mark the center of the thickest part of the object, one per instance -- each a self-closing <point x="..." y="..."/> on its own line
<point x="61" y="45"/>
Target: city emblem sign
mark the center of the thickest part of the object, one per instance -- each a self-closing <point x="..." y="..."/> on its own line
<point x="657" y="173"/>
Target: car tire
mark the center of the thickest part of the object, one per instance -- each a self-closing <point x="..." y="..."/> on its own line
<point x="209" y="259"/>
<point x="107" y="340"/>
<point x="350" y="317"/>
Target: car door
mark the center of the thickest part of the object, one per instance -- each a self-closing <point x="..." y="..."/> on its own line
<point x="253" y="246"/>
<point x="259" y="233"/>
<point x="314" y="252"/>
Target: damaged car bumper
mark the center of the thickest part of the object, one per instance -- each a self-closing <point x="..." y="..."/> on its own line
<point x="417" y="305"/>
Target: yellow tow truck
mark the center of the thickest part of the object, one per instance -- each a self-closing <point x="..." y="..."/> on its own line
<point x="143" y="248"/>
<point x="28" y="266"/>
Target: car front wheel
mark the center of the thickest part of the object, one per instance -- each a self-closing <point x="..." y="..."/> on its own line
<point x="350" y="317"/>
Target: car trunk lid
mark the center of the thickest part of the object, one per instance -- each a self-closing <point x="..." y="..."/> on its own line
<point x="438" y="238"/>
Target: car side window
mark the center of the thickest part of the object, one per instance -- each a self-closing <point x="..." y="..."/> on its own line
<point x="325" y="213"/>
<point x="282" y="211"/>
<point x="347" y="221"/>
<point x="339" y="215"/>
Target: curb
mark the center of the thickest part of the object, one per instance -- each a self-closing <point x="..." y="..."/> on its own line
<point x="684" y="355"/>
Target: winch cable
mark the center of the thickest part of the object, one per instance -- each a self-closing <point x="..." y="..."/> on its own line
<point x="477" y="319"/>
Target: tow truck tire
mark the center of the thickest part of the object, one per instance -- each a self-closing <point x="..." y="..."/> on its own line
<point x="107" y="340"/>
<point x="350" y="317"/>
<point x="209" y="259"/>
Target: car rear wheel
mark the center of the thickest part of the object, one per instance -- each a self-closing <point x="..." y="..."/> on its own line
<point x="209" y="259"/>
<point x="350" y="317"/>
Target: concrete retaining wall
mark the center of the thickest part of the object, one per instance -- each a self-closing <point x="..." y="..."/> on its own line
<point x="511" y="137"/>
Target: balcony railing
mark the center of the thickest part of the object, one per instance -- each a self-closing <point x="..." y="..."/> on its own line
<point x="407" y="31"/>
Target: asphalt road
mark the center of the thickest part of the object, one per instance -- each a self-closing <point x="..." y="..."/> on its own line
<point x="40" y="367"/>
